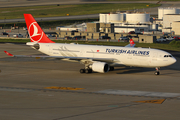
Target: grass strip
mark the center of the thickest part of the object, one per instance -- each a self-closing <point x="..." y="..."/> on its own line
<point x="49" y="24"/>
<point x="64" y="10"/>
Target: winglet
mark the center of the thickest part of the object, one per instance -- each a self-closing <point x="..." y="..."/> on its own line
<point x="131" y="44"/>
<point x="9" y="54"/>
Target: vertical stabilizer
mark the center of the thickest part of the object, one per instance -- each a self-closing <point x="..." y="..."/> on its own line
<point x="36" y="34"/>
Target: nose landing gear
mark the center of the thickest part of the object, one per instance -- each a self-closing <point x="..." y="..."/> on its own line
<point x="157" y="71"/>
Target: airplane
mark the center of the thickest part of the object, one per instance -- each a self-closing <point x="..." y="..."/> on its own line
<point x="96" y="58"/>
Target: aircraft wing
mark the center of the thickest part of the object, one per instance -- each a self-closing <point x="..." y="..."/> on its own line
<point x="109" y="60"/>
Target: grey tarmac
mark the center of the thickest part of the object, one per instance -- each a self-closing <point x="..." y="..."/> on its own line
<point x="109" y="96"/>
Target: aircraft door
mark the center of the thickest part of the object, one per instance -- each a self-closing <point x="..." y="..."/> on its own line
<point x="154" y="57"/>
<point x="82" y="53"/>
<point x="128" y="59"/>
<point x="89" y="53"/>
<point x="154" y="60"/>
<point x="50" y="49"/>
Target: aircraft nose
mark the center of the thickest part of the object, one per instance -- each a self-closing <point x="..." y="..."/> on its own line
<point x="173" y="60"/>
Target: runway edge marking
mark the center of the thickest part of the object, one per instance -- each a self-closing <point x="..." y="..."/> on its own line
<point x="3" y="88"/>
<point x="160" y="101"/>
<point x="63" y="88"/>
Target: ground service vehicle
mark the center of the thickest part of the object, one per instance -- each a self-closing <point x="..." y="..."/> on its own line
<point x="104" y="37"/>
<point x="18" y="36"/>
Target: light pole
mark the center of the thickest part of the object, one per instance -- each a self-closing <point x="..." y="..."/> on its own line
<point x="18" y="26"/>
<point x="170" y="27"/>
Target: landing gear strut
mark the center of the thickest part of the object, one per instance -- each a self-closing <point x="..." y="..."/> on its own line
<point x="157" y="71"/>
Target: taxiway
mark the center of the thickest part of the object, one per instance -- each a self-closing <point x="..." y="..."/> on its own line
<point x="109" y="96"/>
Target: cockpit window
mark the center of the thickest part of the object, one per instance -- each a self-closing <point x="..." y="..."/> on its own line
<point x="167" y="55"/>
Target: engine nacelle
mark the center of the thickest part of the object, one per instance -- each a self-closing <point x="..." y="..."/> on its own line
<point x="100" y="67"/>
<point x="33" y="45"/>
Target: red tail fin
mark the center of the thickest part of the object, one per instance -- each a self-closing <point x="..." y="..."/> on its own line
<point x="35" y="32"/>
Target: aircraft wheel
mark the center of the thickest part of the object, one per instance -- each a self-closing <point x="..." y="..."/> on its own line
<point x="88" y="71"/>
<point x="111" y="69"/>
<point x="82" y="70"/>
<point x="157" y="73"/>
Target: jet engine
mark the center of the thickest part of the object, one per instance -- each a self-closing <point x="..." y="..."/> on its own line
<point x="33" y="45"/>
<point x="100" y="67"/>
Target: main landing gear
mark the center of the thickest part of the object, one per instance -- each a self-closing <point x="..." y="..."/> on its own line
<point x="89" y="70"/>
<point x="86" y="71"/>
<point x="111" y="68"/>
<point x="157" y="71"/>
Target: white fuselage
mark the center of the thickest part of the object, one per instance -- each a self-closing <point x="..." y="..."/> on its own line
<point x="129" y="56"/>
